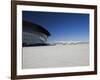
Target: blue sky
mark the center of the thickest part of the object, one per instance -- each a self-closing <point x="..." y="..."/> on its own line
<point x="62" y="26"/>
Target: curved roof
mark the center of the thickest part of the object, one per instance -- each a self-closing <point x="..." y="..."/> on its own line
<point x="36" y="27"/>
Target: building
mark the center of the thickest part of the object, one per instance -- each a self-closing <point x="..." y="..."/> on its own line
<point x="33" y="34"/>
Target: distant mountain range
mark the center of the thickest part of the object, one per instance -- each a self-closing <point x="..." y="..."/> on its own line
<point x="57" y="43"/>
<point x="67" y="42"/>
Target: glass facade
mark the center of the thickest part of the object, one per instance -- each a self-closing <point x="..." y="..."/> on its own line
<point x="33" y="38"/>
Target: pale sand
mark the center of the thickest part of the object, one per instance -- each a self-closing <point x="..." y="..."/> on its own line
<point x="56" y="56"/>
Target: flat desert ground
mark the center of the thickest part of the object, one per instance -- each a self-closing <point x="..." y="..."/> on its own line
<point x="56" y="56"/>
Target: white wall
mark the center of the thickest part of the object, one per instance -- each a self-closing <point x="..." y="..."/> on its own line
<point x="5" y="24"/>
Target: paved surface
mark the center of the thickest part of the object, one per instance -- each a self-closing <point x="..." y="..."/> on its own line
<point x="56" y="56"/>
